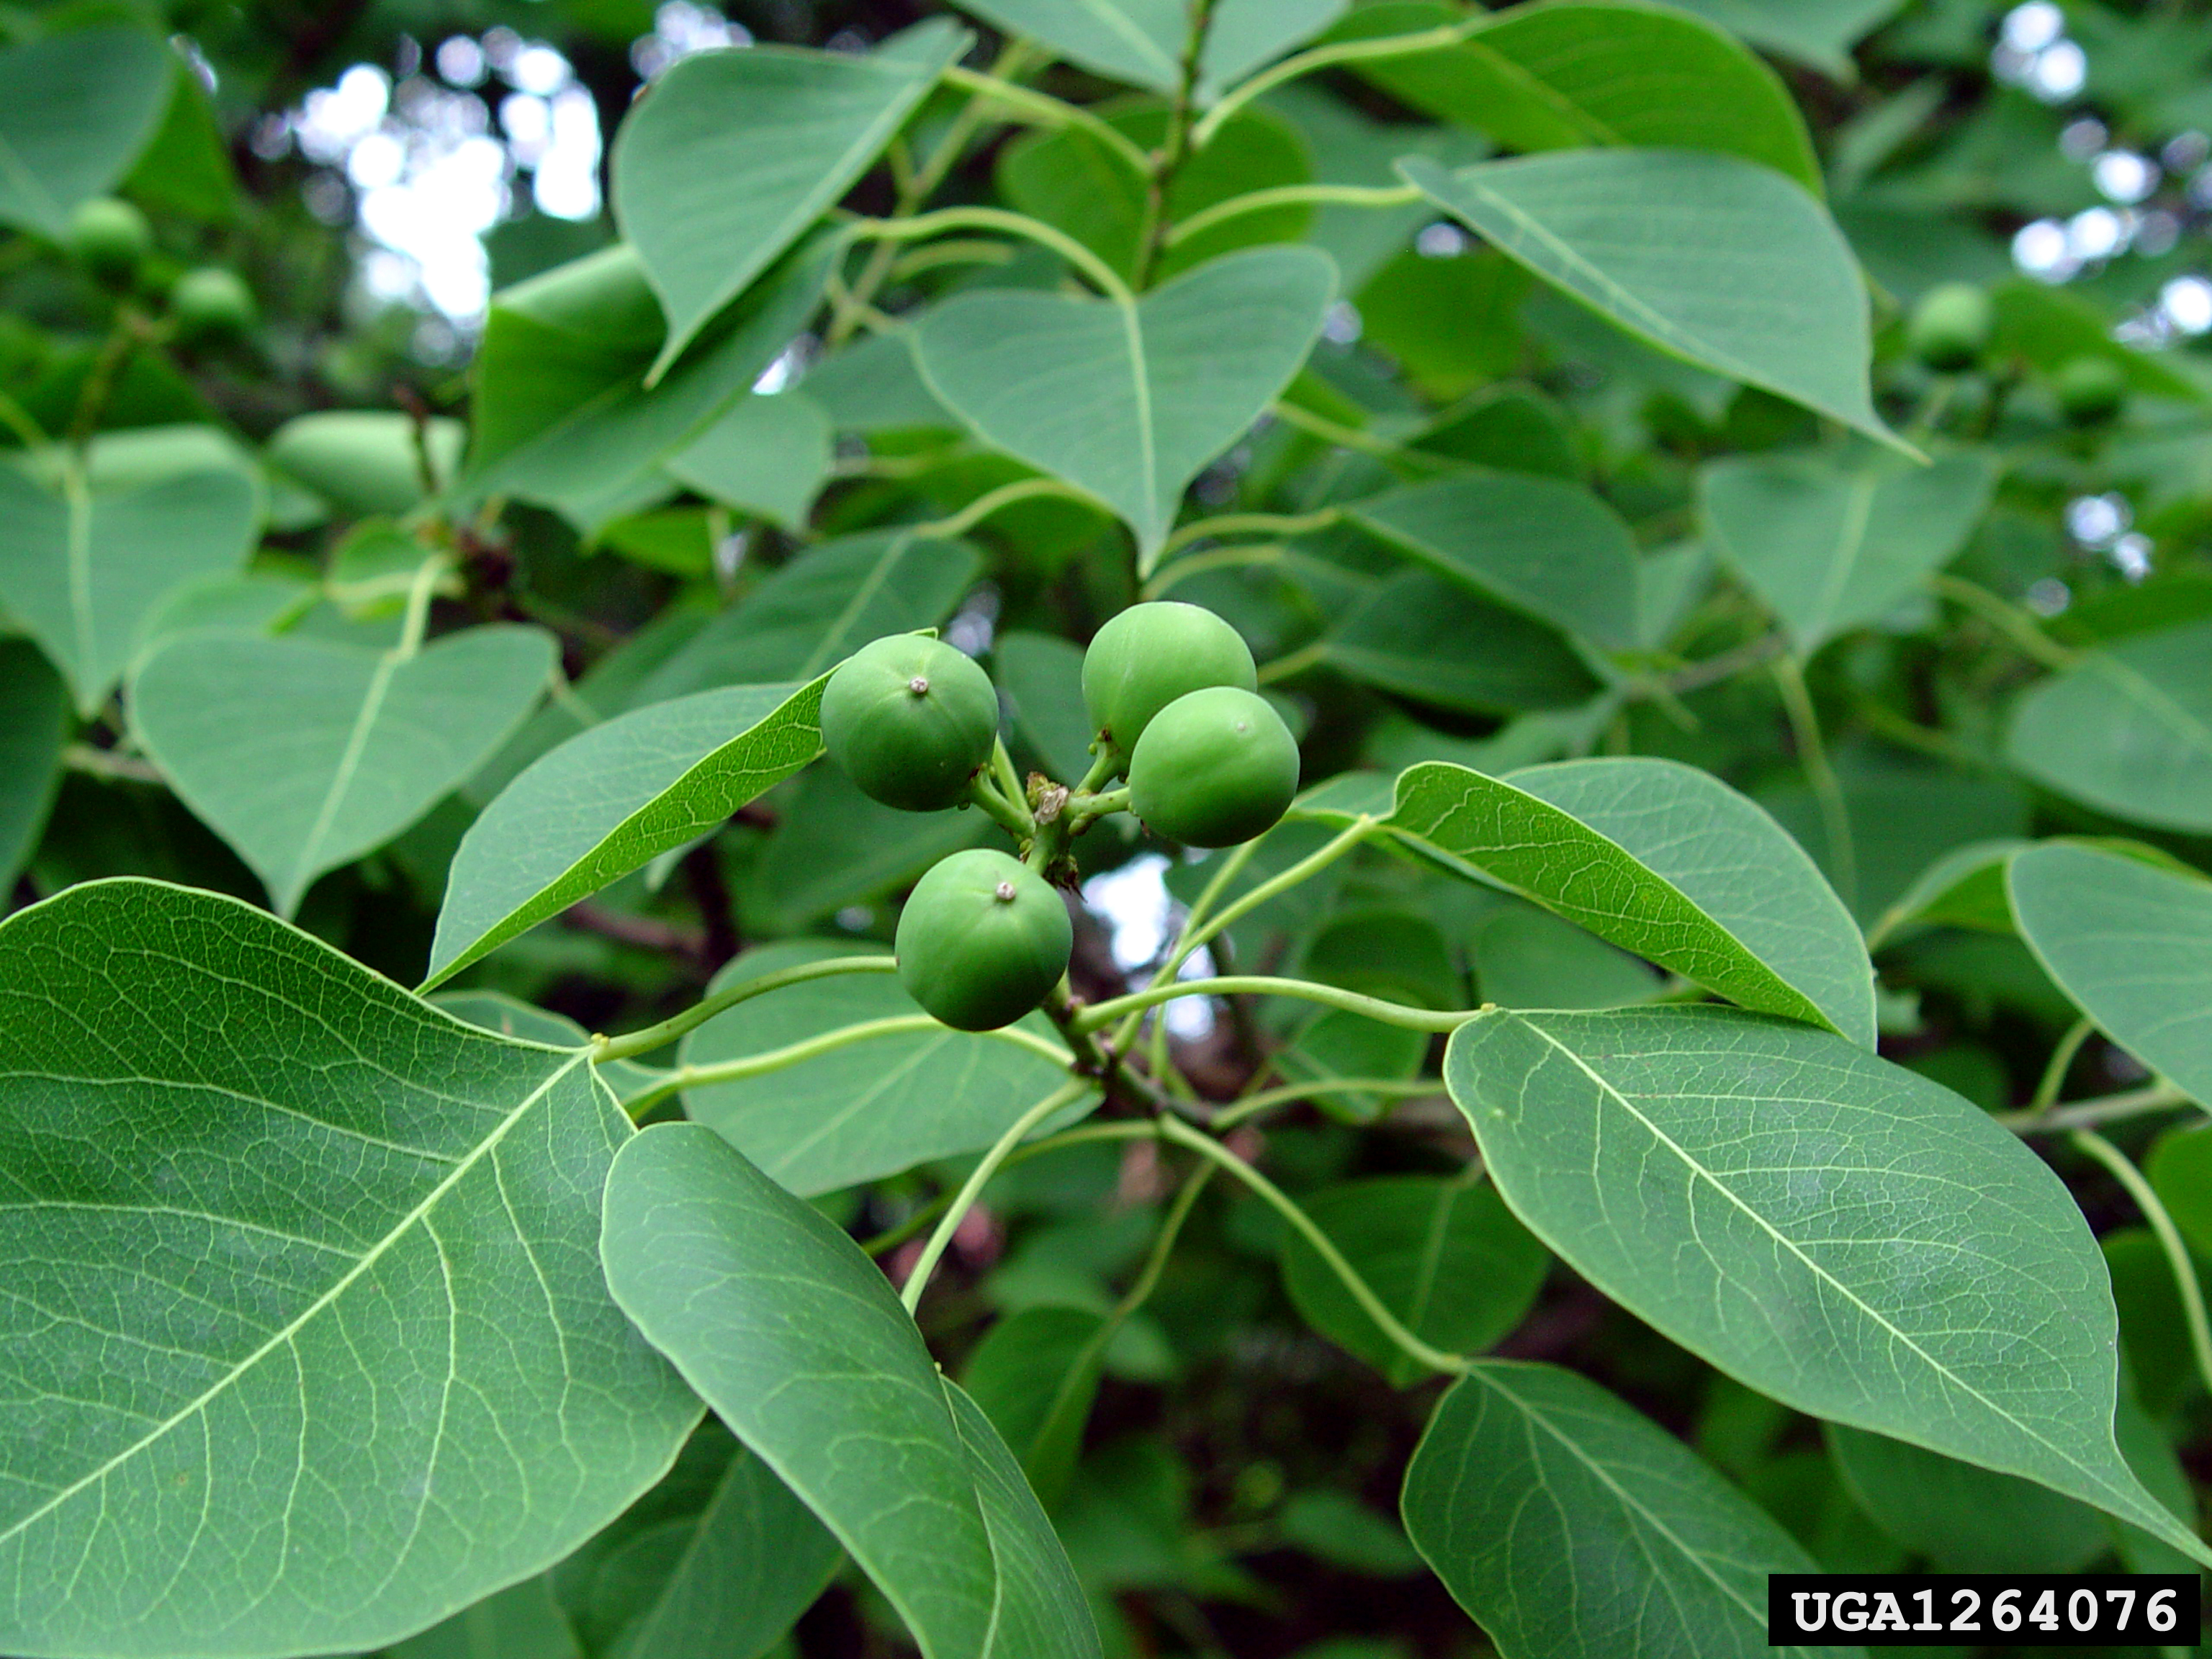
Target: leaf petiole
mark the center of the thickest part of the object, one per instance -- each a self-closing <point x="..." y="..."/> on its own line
<point x="604" y="1049"/>
<point x="1351" y="1002"/>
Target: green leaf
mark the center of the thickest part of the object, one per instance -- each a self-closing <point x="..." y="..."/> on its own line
<point x="1335" y="1527"/>
<point x="2128" y="729"/>
<point x="1830" y="1229"/>
<point x="1965" y="1519"/>
<point x="366" y="461"/>
<point x="817" y="1369"/>
<point x="715" y="1563"/>
<point x="34" y="721"/>
<point x="1572" y="74"/>
<point x="75" y="109"/>
<point x="83" y="568"/>
<point x="833" y="847"/>
<point x="1427" y="637"/>
<point x="1820" y="33"/>
<point x="1138" y="42"/>
<point x="869" y="1109"/>
<point x="1540" y="545"/>
<point x="1965" y="888"/>
<point x="1715" y="260"/>
<point x="766" y="455"/>
<point x="506" y="1015"/>
<point x="2131" y="944"/>
<point x="731" y="155"/>
<point x="1570" y="1527"/>
<point x="1129" y="402"/>
<point x="609" y="801"/>
<point x="1663" y="860"/>
<point x="342" y="1359"/>
<point x="1446" y="1256"/>
<point x="304" y="754"/>
<point x="563" y="413"/>
<point x="1833" y="546"/>
<point x="812" y="613"/>
<point x="1035" y="1375"/>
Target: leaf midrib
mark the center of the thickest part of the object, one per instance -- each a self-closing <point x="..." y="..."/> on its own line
<point x="388" y="665"/>
<point x="327" y="1298"/>
<point x="1850" y="547"/>
<point x="1699" y="1171"/>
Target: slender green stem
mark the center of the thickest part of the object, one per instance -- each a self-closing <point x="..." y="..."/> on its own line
<point x="914" y="191"/>
<point x="1237" y="524"/>
<point x="1322" y="57"/>
<point x="1044" y="108"/>
<point x="1156" y="1261"/>
<point x="989" y="791"/>
<point x="994" y="500"/>
<point x="1333" y="432"/>
<point x="417" y="619"/>
<point x="1102" y="276"/>
<point x="2103" y="1109"/>
<point x="1827" y="788"/>
<point x="1294" y="663"/>
<point x="795" y="1054"/>
<point x="2055" y="1069"/>
<point x="1252" y="1104"/>
<point x="1104" y="763"/>
<point x="2009" y="620"/>
<point x="1215" y="558"/>
<point x="1082" y="1134"/>
<point x="953" y="250"/>
<point x="17" y="419"/>
<point x="917" y="1281"/>
<point x="2169" y="1240"/>
<point x="99" y="380"/>
<point x="604" y="1048"/>
<point x="1259" y="201"/>
<point x="1161" y="168"/>
<point x="1352" y="1002"/>
<point x="1206" y="1146"/>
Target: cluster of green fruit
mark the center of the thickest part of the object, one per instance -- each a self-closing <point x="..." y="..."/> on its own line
<point x="1950" y="330"/>
<point x="110" y="241"/>
<point x="1172" y="694"/>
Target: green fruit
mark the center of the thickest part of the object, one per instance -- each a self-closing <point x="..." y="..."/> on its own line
<point x="1949" y="329"/>
<point x="1214" y="767"/>
<point x="364" y="461"/>
<point x="109" y="238"/>
<point x="2089" y="390"/>
<point x="1145" y="659"/>
<point x="983" y="939"/>
<point x="910" y="719"/>
<point x="210" y="305"/>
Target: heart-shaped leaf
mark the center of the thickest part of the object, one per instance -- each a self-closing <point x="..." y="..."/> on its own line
<point x="84" y="567"/>
<point x="303" y="754"/>
<point x="1542" y="545"/>
<point x="1570" y="1527"/>
<point x="731" y="155"/>
<point x="1833" y="1230"/>
<point x="2131" y="944"/>
<point x="1660" y="858"/>
<point x="331" y="1255"/>
<point x="76" y="108"/>
<point x="1714" y="259"/>
<point x="764" y="455"/>
<point x="1429" y="636"/>
<point x="1833" y="545"/>
<point x="818" y="1369"/>
<point x="611" y="800"/>
<point x="2128" y="729"/>
<point x="1130" y="402"/>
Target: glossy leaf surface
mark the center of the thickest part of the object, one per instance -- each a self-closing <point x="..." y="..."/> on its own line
<point x="2128" y="729"/>
<point x="334" y="1261"/>
<point x="1839" y="1233"/>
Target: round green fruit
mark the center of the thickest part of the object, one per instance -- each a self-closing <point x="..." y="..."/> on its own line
<point x="210" y="305"/>
<point x="2089" y="390"/>
<point x="910" y="719"/>
<point x="1214" y="767"/>
<point x="109" y="238"/>
<point x="1949" y="329"/>
<point x="1150" y="654"/>
<point x="982" y="940"/>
